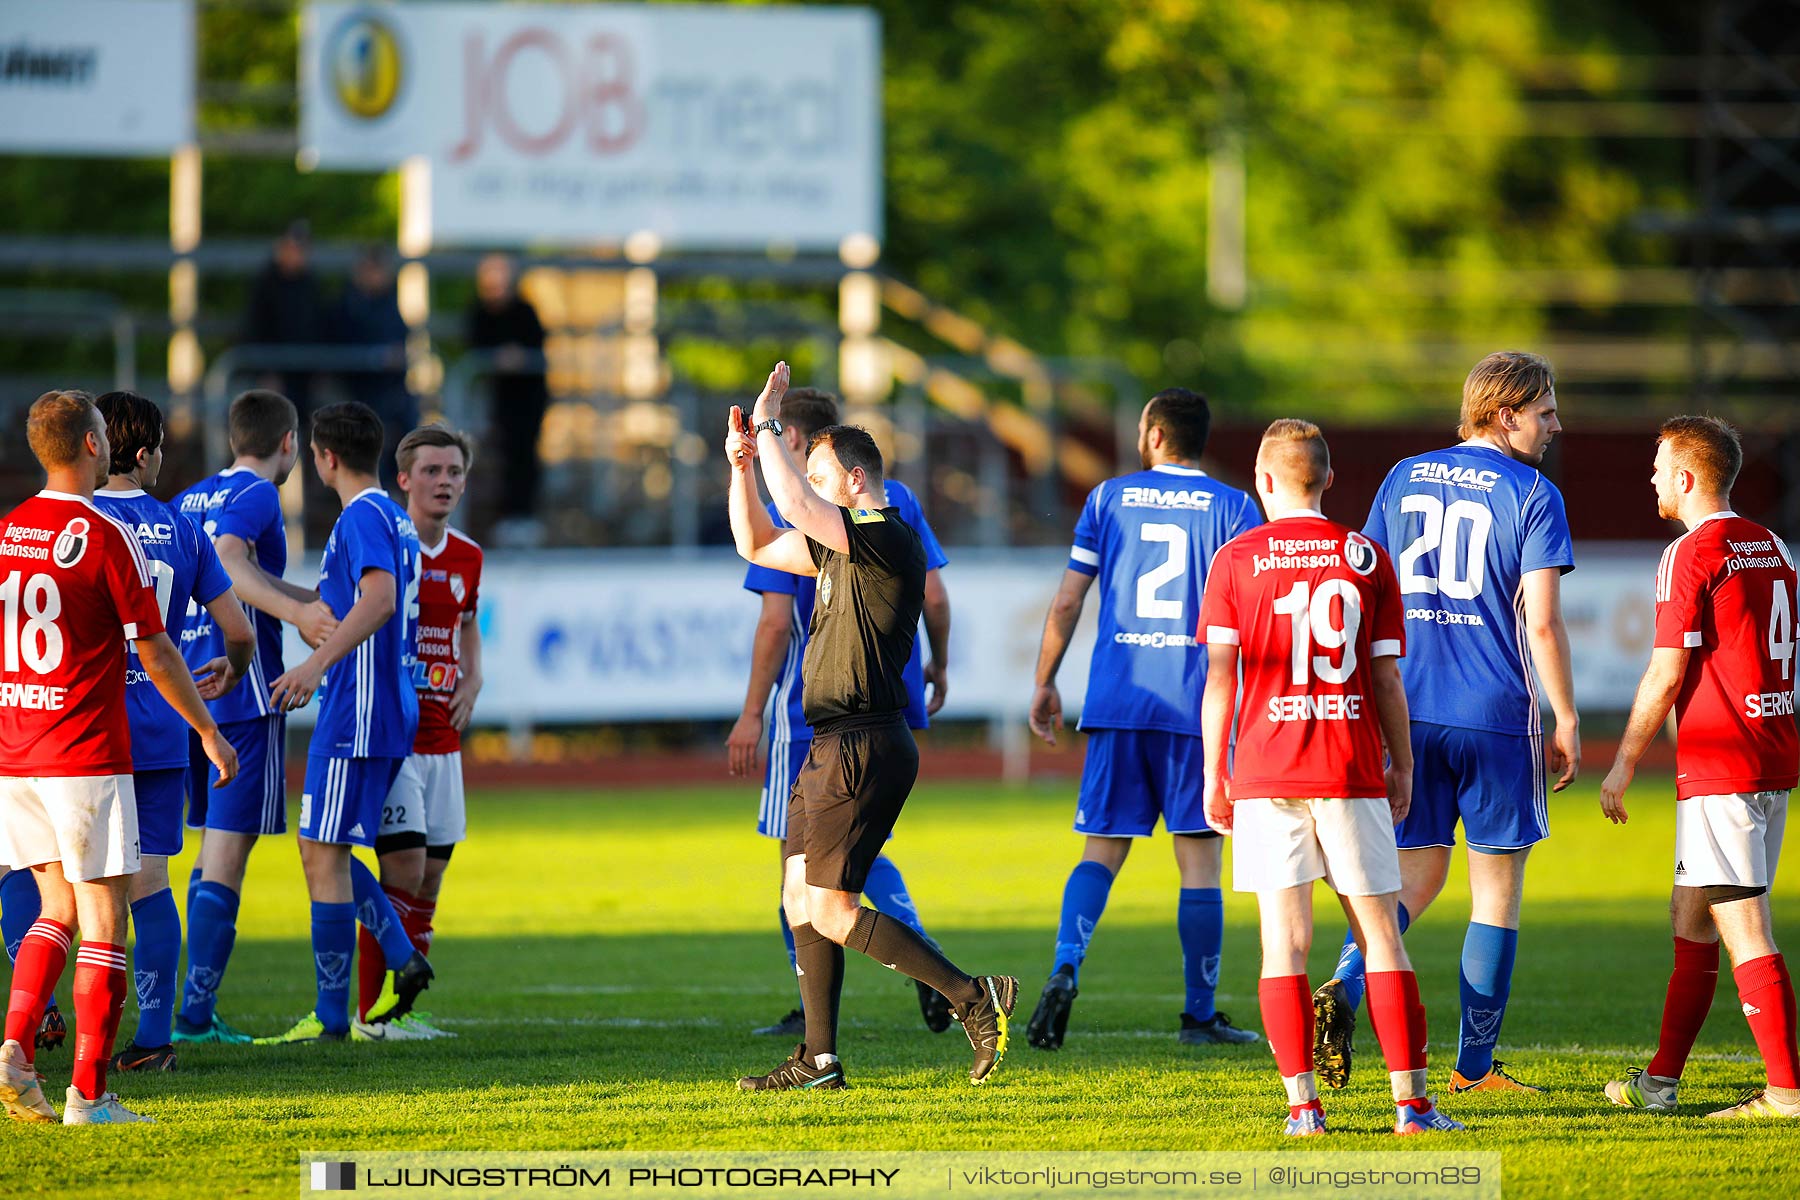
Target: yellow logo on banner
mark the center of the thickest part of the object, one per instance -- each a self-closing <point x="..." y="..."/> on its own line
<point x="365" y="66"/>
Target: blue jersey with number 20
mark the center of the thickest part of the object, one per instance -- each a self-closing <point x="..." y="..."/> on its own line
<point x="1151" y="537"/>
<point x="1464" y="527"/>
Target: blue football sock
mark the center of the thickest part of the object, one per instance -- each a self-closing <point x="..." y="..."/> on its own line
<point x="376" y="913"/>
<point x="155" y="959"/>
<point x="212" y="932"/>
<point x="886" y="890"/>
<point x="787" y="935"/>
<point x="1487" y="966"/>
<point x="187" y="906"/>
<point x="20" y="906"/>
<point x="1350" y="969"/>
<point x="1200" y="920"/>
<point x="1084" y="899"/>
<point x="334" y="944"/>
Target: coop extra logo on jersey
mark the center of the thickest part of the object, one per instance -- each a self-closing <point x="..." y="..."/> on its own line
<point x="1359" y="553"/>
<point x="1463" y="477"/>
<point x="1189" y="500"/>
<point x="365" y="66"/>
<point x="71" y="543"/>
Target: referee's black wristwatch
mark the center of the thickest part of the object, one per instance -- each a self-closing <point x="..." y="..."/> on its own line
<point x="773" y="425"/>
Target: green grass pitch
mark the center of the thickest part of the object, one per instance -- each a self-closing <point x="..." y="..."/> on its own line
<point x="603" y="956"/>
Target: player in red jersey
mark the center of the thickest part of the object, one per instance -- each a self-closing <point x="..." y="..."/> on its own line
<point x="423" y="818"/>
<point x="1724" y="660"/>
<point x="72" y="579"/>
<point x="1311" y="610"/>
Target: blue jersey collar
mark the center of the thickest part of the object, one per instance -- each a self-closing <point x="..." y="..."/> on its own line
<point x="1174" y="469"/>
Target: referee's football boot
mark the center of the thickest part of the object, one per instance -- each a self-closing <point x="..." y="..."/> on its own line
<point x="792" y="1025"/>
<point x="1216" y="1030"/>
<point x="1050" y="1019"/>
<point x="401" y="988"/>
<point x="52" y="1030"/>
<point x="798" y="1072"/>
<point x="1334" y="1034"/>
<point x="985" y="1021"/>
<point x="932" y="1006"/>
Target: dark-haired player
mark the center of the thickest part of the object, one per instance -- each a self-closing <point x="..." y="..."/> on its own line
<point x="75" y="587"/>
<point x="188" y="578"/>
<point x="870" y="567"/>
<point x="778" y="649"/>
<point x="1150" y="538"/>
<point x="240" y="510"/>
<point x="368" y="714"/>
<point x="1724" y="661"/>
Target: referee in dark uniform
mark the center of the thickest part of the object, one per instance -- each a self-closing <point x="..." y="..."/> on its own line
<point x="871" y="571"/>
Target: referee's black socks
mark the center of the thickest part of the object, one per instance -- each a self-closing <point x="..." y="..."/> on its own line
<point x="821" y="966"/>
<point x="893" y="944"/>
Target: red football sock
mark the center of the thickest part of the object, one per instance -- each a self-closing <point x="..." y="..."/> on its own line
<point x="371" y="970"/>
<point x="43" y="953"/>
<point x="99" y="999"/>
<point x="418" y="924"/>
<point x="1768" y="995"/>
<point x="1690" y="996"/>
<point x="1398" y="1017"/>
<point x="1287" y="1013"/>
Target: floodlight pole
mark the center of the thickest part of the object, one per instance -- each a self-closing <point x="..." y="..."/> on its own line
<point x="424" y="370"/>
<point x="186" y="361"/>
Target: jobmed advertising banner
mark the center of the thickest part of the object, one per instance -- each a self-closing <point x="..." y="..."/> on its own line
<point x="111" y="78"/>
<point x="713" y="126"/>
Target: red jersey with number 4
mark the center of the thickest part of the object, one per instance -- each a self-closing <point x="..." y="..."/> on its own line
<point x="448" y="582"/>
<point x="1309" y="603"/>
<point x="74" y="587"/>
<point x="1725" y="592"/>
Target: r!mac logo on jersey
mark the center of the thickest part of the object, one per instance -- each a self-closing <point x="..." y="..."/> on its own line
<point x="365" y="66"/>
<point x="1359" y="553"/>
<point x="71" y="543"/>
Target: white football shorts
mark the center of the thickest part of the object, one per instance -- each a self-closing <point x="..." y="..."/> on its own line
<point x="1277" y="844"/>
<point x="86" y="822"/>
<point x="427" y="798"/>
<point x="1732" y="840"/>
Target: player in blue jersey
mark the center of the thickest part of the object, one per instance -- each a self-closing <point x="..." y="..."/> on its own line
<point x="188" y="580"/>
<point x="775" y="656"/>
<point x="1480" y="541"/>
<point x="1149" y="537"/>
<point x="239" y="509"/>
<point x="368" y="714"/>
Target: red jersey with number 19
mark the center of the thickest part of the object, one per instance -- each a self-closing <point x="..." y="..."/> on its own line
<point x="1725" y="592"/>
<point x="1309" y="603"/>
<point x="449" y="586"/>
<point x="74" y="587"/>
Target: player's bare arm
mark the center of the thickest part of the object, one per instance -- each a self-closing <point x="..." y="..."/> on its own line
<point x="794" y="498"/>
<point x="774" y="628"/>
<point x="937" y="633"/>
<point x="759" y="539"/>
<point x="1059" y="629"/>
<point x="224" y="673"/>
<point x="1655" y="698"/>
<point x="468" y="675"/>
<point x="373" y="607"/>
<point x="169" y="672"/>
<point x="1549" y="639"/>
<point x="1216" y="709"/>
<point x="277" y="597"/>
<point x="1390" y="709"/>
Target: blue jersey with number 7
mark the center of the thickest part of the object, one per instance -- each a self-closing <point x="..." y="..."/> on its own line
<point x="1151" y="537"/>
<point x="1464" y="527"/>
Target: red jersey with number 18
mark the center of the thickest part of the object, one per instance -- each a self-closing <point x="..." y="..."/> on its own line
<point x="1309" y="603"/>
<point x="1725" y="592"/>
<point x="74" y="587"/>
<point x="449" y="585"/>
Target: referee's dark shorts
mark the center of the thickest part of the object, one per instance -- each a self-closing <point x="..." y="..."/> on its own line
<point x="848" y="796"/>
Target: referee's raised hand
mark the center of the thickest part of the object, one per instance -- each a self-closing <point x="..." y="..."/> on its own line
<point x="740" y="446"/>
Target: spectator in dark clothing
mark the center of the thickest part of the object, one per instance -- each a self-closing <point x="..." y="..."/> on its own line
<point x="287" y="309"/>
<point x="368" y="316"/>
<point x="503" y="322"/>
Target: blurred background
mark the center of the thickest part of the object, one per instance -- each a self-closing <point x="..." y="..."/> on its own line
<point x="582" y="231"/>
